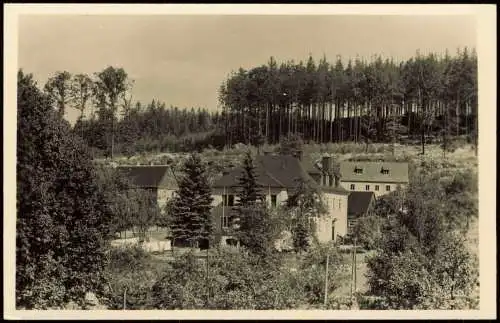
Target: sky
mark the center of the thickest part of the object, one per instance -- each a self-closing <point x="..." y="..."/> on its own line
<point x="183" y="59"/>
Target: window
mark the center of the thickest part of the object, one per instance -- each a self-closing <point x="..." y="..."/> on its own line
<point x="377" y="187"/>
<point x="324" y="180"/>
<point x="225" y="221"/>
<point x="358" y="170"/>
<point x="228" y="200"/>
<point x="388" y="188"/>
<point x="273" y="200"/>
<point x="333" y="231"/>
<point x="353" y="187"/>
<point x="339" y="203"/>
<point x="330" y="178"/>
<point x="367" y="187"/>
<point x="384" y="171"/>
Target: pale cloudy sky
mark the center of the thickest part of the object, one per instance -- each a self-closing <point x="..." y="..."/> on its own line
<point x="182" y="60"/>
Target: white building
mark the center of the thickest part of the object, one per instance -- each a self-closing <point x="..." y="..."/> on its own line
<point x="278" y="177"/>
<point x="378" y="177"/>
<point x="159" y="180"/>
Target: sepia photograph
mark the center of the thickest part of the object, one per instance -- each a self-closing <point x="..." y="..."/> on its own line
<point x="260" y="159"/>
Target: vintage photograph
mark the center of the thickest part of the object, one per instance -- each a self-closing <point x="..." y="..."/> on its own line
<point x="247" y="162"/>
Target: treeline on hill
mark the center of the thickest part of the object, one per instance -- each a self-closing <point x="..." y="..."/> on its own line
<point x="111" y="123"/>
<point x="427" y="94"/>
<point x="362" y="101"/>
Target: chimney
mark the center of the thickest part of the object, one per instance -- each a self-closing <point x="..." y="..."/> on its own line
<point x="337" y="181"/>
<point x="325" y="164"/>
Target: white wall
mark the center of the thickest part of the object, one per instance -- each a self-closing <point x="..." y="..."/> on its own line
<point x="163" y="196"/>
<point x="281" y="197"/>
<point x="337" y="209"/>
<point x="323" y="228"/>
<point x="361" y="187"/>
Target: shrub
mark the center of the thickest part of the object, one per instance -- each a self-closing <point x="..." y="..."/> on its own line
<point x="368" y="231"/>
<point x="233" y="281"/>
<point x="131" y="275"/>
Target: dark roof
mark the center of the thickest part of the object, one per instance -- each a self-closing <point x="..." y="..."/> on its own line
<point x="145" y="176"/>
<point x="271" y="171"/>
<point x="310" y="164"/>
<point x="372" y="172"/>
<point x="359" y="202"/>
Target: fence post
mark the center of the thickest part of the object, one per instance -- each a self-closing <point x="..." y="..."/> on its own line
<point x="207" y="278"/>
<point x="352" y="272"/>
<point x="125" y="299"/>
<point x="355" y="269"/>
<point x="326" y="278"/>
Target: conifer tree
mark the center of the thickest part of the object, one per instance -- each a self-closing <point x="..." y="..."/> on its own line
<point x="304" y="203"/>
<point x="191" y="206"/>
<point x="251" y="218"/>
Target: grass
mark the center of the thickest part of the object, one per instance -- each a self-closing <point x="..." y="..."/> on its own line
<point x="361" y="271"/>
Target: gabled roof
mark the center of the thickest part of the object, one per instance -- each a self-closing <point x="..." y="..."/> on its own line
<point x="372" y="172"/>
<point x="310" y="164"/>
<point x="272" y="171"/>
<point x="359" y="202"/>
<point x="145" y="176"/>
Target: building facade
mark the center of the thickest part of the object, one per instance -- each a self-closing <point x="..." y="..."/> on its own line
<point x="378" y="177"/>
<point x="277" y="176"/>
<point x="159" y="180"/>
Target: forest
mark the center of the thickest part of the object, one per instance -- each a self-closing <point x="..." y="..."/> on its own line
<point x="423" y="99"/>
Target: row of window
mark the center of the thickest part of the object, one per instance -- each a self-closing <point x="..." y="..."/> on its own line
<point x="334" y="203"/>
<point x="311" y="221"/>
<point x="367" y="187"/>
<point x="228" y="200"/>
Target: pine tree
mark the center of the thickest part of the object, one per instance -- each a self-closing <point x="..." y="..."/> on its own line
<point x="304" y="203"/>
<point x="249" y="193"/>
<point x="191" y="206"/>
<point x="251" y="219"/>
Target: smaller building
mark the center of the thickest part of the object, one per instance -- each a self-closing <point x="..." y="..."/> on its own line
<point x="159" y="180"/>
<point x="378" y="177"/>
<point x="360" y="204"/>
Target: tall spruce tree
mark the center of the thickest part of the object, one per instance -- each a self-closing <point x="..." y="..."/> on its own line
<point x="192" y="222"/>
<point x="251" y="217"/>
<point x="304" y="203"/>
<point x="63" y="221"/>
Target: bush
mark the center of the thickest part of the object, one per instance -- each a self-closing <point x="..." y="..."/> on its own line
<point x="368" y="231"/>
<point x="312" y="272"/>
<point x="131" y="274"/>
<point x="372" y="303"/>
<point x="234" y="281"/>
